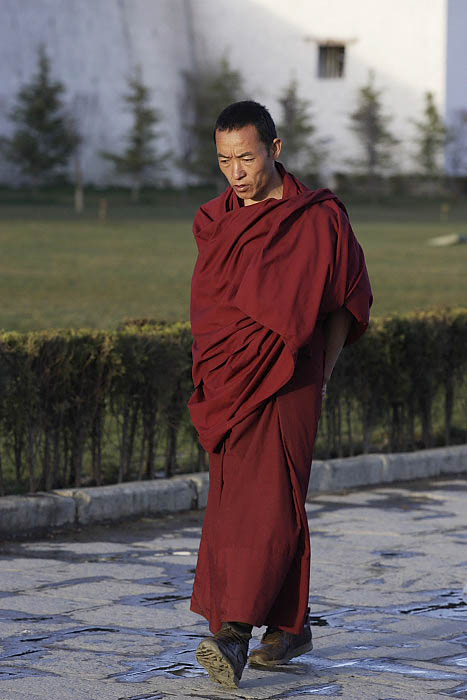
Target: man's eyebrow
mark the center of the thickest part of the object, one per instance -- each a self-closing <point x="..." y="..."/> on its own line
<point x="242" y="155"/>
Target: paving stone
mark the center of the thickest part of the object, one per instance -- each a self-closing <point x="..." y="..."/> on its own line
<point x="103" y="613"/>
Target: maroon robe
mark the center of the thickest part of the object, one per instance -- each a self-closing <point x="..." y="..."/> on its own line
<point x="266" y="278"/>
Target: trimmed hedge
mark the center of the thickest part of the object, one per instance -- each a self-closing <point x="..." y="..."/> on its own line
<point x="91" y="407"/>
<point x="406" y="372"/>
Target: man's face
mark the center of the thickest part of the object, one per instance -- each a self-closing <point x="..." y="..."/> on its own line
<point x="246" y="162"/>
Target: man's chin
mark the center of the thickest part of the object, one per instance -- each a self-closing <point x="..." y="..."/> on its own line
<point x="243" y="193"/>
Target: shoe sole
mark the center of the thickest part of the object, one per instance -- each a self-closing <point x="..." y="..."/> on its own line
<point x="298" y="651"/>
<point x="216" y="664"/>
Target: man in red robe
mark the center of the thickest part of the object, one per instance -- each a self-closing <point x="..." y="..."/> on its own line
<point x="279" y="286"/>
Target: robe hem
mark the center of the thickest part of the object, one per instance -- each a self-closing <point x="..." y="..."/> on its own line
<point x="241" y="617"/>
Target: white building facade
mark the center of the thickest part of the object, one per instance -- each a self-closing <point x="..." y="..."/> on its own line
<point x="329" y="46"/>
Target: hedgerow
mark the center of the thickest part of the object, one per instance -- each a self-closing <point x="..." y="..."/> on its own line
<point x="83" y="407"/>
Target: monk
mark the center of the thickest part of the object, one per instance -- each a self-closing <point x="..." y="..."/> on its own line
<point x="279" y="286"/>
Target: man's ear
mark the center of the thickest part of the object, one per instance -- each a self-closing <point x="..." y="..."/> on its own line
<point x="276" y="148"/>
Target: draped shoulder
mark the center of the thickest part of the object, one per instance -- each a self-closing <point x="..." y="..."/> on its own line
<point x="266" y="274"/>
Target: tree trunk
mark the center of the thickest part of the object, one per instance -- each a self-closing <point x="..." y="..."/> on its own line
<point x="2" y="483"/>
<point x="131" y="438"/>
<point x="124" y="442"/>
<point x="96" y="442"/>
<point x="56" y="457"/>
<point x="349" y="426"/>
<point x="171" y="459"/>
<point x="395" y="428"/>
<point x="46" y="466"/>
<point x="411" y="425"/>
<point x="79" y="190"/>
<point x="367" y="427"/>
<point x="201" y="464"/>
<point x="67" y="476"/>
<point x="340" y="447"/>
<point x="327" y="414"/>
<point x="19" y="443"/>
<point x="150" y="438"/>
<point x="31" y="458"/>
<point x="135" y="191"/>
<point x="77" y="451"/>
<point x="141" y="458"/>
<point x="448" y="408"/>
<point x="427" y="429"/>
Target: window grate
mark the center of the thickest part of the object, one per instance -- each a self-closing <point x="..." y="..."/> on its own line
<point x="331" y="61"/>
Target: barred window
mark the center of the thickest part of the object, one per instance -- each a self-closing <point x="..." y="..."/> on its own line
<point x="331" y="60"/>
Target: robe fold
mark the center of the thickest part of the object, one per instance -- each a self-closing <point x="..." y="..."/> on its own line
<point x="266" y="278"/>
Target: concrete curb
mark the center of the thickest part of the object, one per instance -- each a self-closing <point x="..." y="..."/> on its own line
<point x="368" y="470"/>
<point x="37" y="513"/>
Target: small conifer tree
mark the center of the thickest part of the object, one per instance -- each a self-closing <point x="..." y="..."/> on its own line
<point x="140" y="157"/>
<point x="207" y="93"/>
<point x="302" y="153"/>
<point x="431" y="137"/>
<point x="44" y="137"/>
<point x="370" y="125"/>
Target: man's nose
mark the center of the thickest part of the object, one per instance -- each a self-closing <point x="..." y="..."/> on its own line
<point x="238" y="171"/>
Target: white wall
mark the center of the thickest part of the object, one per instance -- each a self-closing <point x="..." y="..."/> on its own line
<point x="93" y="46"/>
<point x="402" y="41"/>
<point x="456" y="84"/>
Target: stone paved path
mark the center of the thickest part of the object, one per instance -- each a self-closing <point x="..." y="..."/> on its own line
<point x="103" y="614"/>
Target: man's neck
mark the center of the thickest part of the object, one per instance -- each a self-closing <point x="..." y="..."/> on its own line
<point x="274" y="191"/>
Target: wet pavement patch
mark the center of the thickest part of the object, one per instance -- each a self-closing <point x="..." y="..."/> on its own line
<point x="444" y="604"/>
<point x="318" y="621"/>
<point x="156" y="599"/>
<point x="350" y="619"/>
<point x="387" y="499"/>
<point x="167" y="665"/>
<point x="324" y="689"/>
<point x="364" y="647"/>
<point x="177" y="577"/>
<point x="447" y="604"/>
<point x="151" y="696"/>
<point x="177" y="660"/>
<point x="30" y="645"/>
<point x="7" y="615"/>
<point x="331" y="617"/>
<point x="138" y="556"/>
<point x="74" y="582"/>
<point x="432" y="516"/>
<point x="403" y="502"/>
<point x="460" y="691"/>
<point x="460" y="660"/>
<point x="384" y="665"/>
<point x="13" y="672"/>
<point x="397" y="553"/>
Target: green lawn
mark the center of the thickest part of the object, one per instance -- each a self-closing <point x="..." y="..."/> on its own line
<point x="59" y="270"/>
<point x="406" y="273"/>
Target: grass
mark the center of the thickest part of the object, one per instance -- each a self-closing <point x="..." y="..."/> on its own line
<point x="406" y="273"/>
<point x="59" y="269"/>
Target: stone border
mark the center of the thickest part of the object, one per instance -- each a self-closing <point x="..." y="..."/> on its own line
<point x="40" y="512"/>
<point x="368" y="470"/>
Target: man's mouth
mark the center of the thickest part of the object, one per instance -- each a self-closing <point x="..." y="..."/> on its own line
<point x="241" y="188"/>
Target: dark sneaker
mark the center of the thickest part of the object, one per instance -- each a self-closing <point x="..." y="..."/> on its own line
<point x="225" y="654"/>
<point x="278" y="647"/>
